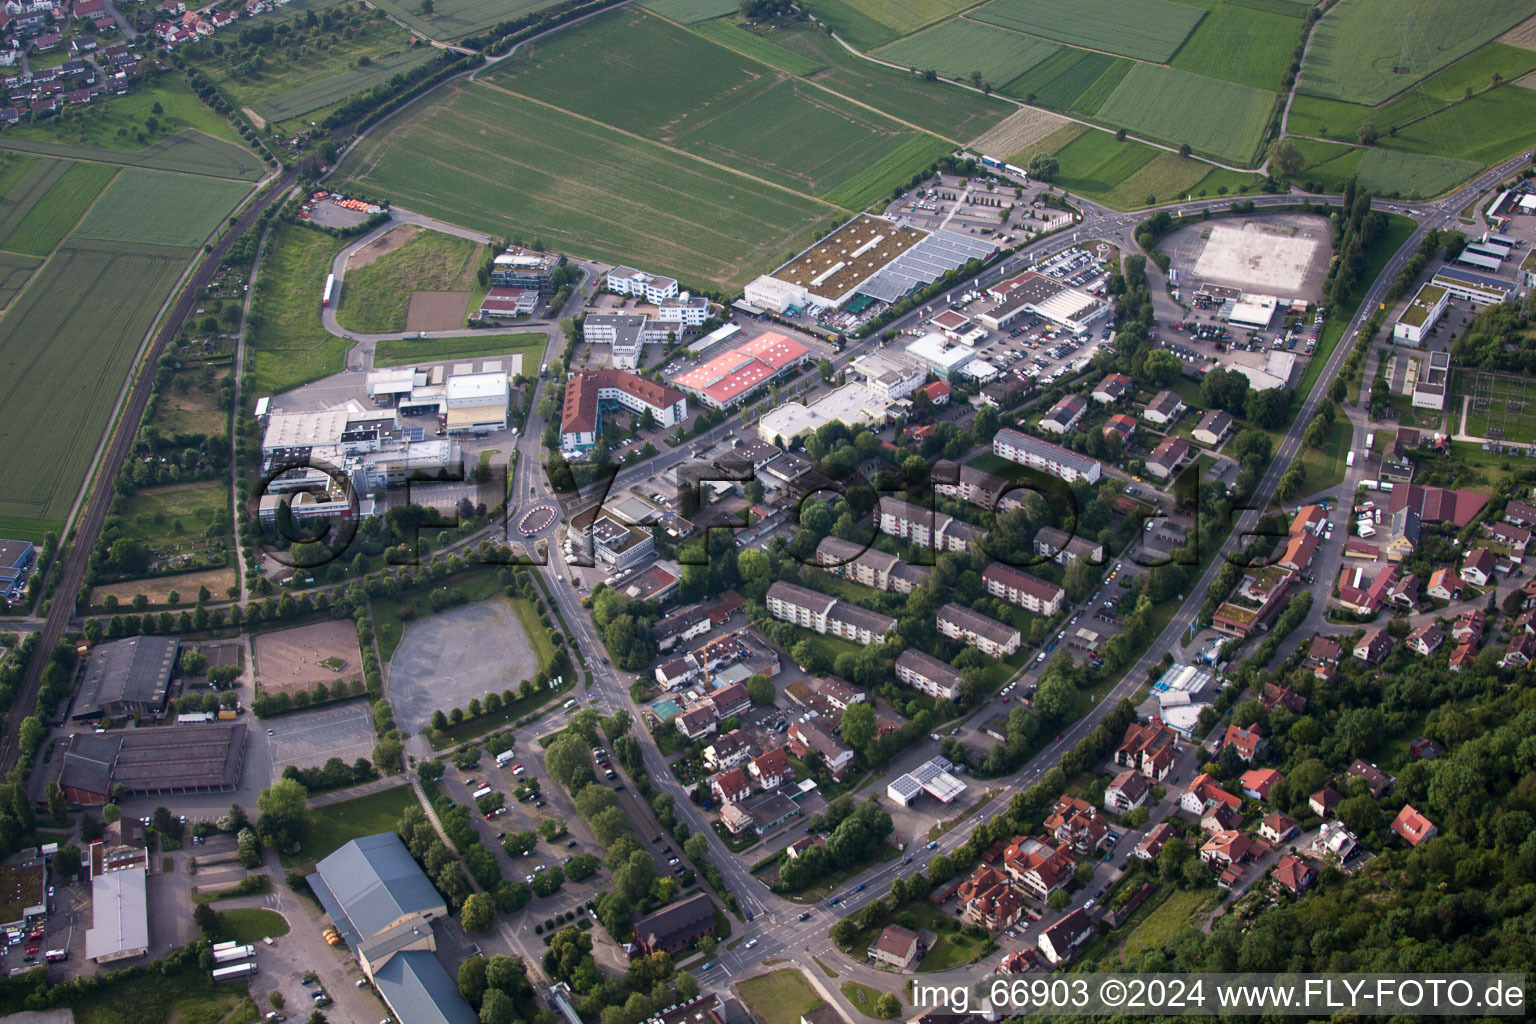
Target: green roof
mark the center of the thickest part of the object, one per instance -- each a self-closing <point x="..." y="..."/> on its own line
<point x="1423" y="303"/>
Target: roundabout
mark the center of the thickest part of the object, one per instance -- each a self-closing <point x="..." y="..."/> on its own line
<point x="536" y="520"/>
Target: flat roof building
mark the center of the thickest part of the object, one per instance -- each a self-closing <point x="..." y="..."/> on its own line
<point x="852" y="404"/>
<point x="589" y="393"/>
<point x="937" y="353"/>
<point x="477" y="402"/>
<point x="127" y="677"/>
<point x="119" y="916"/>
<point x="728" y="378"/>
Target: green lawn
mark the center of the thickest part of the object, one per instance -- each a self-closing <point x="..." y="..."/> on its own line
<point x="177" y="516"/>
<point x="56" y="212"/>
<point x="779" y="997"/>
<point x="250" y="924"/>
<point x="156" y="207"/>
<point x="120" y="122"/>
<point x="1325" y="465"/>
<point x="334" y="825"/>
<point x="1095" y="164"/>
<point x="862" y="996"/>
<point x="375" y="298"/>
<point x="1365" y="51"/>
<point x="408" y="352"/>
<point x="288" y="347"/>
<point x="482" y="157"/>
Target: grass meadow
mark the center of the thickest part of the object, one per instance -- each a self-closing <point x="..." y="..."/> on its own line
<point x="317" y="94"/>
<point x="69" y="360"/>
<point x="56" y="211"/>
<point x="287" y="345"/>
<point x="1150" y="30"/>
<point x="161" y="208"/>
<point x="1390" y="172"/>
<point x="689" y="12"/>
<point x="413" y="351"/>
<point x="1366" y="51"/>
<point x="960" y="46"/>
<point x="851" y="23"/>
<point x="176" y="515"/>
<point x="116" y="122"/>
<point x="486" y="158"/>
<point x="375" y="298"/>
<point x="455" y="19"/>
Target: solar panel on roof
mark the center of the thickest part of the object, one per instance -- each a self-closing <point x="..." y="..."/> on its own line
<point x="415" y="433"/>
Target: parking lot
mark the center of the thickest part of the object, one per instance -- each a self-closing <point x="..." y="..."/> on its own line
<point x="307" y="739"/>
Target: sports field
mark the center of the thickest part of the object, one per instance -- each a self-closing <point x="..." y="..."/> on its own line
<point x="161" y="208"/>
<point x="1072" y="80"/>
<point x="960" y="46"/>
<point x="15" y="270"/>
<point x="287" y="345"/>
<point x="729" y="33"/>
<point x="487" y="159"/>
<point x="956" y="114"/>
<point x="1243" y="45"/>
<point x="1144" y="29"/>
<point x="68" y="360"/>
<point x="56" y="211"/>
<point x="1365" y="51"/>
<point x="375" y="298"/>
<point x="688" y="12"/>
<point x="1219" y="119"/>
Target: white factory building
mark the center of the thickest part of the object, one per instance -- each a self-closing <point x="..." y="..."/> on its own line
<point x="477" y="402"/>
<point x="852" y="404"/>
<point x="776" y="296"/>
<point x="937" y="353"/>
<point x="890" y="375"/>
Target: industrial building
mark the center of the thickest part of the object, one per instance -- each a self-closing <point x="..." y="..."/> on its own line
<point x="852" y="404"/>
<point x="129" y="677"/>
<point x="589" y="393"/>
<point x="938" y="354"/>
<point x="1421" y="314"/>
<point x="889" y="375"/>
<point x="508" y="302"/>
<point x="477" y="402"/>
<point x="168" y="759"/>
<point x="729" y="378"/>
<point x="16" y="558"/>
<point x="935" y="777"/>
<point x="385" y="908"/>
<point x="119" y="916"/>
<point x="1470" y="287"/>
<point x="1433" y="382"/>
<point x="832" y="270"/>
<point x="1043" y="296"/>
<point x="524" y="268"/>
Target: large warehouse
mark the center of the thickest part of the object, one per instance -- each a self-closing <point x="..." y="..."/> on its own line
<point x="1044" y="296"/>
<point x="163" y="759"/>
<point x="127" y="677"/>
<point x="728" y="378"/>
<point x="852" y="404"/>
<point x="477" y="402"/>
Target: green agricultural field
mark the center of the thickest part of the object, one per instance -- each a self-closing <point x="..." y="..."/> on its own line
<point x="658" y="80"/>
<point x="1364" y="51"/>
<point x="1094" y="163"/>
<point x="121" y="122"/>
<point x="455" y="19"/>
<point x="1477" y="69"/>
<point x="15" y="271"/>
<point x="375" y="298"/>
<point x="690" y="12"/>
<point x="813" y="141"/>
<point x="1164" y="178"/>
<point x="1487" y="128"/>
<point x="1144" y="29"/>
<point x="1072" y="80"/>
<point x="52" y="216"/>
<point x="1243" y="45"/>
<point x="1413" y="175"/>
<point x="34" y="530"/>
<point x="69" y="361"/>
<point x="28" y="180"/>
<point x="947" y="111"/>
<point x="13" y="168"/>
<point x="321" y="93"/>
<point x="852" y="24"/>
<point x="904" y="16"/>
<point x="729" y="33"/>
<point x="410" y="352"/>
<point x="484" y="158"/>
<point x="190" y="152"/>
<point x="167" y="517"/>
<point x="1218" y="119"/>
<point x="287" y="345"/>
<point x="161" y="208"/>
<point x="959" y="47"/>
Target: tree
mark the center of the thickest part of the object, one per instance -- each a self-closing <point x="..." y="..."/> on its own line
<point x="1058" y="899"/>
<point x="427" y="7"/>
<point x="1184" y="150"/>
<point x="205" y="919"/>
<point x="497" y="1008"/>
<point x="696" y="846"/>
<point x="1366" y="134"/>
<point x="1161" y="368"/>
<point x="858" y="727"/>
<point x="283" y="809"/>
<point x="472" y="979"/>
<point x="478" y="913"/>
<point x="887" y="1006"/>
<point x="1043" y="167"/>
<point x="1286" y="158"/>
<point x="760" y="688"/>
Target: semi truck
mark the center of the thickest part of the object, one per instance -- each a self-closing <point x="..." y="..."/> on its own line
<point x="219" y="947"/>
<point x="229" y="956"/>
<point x="330" y="290"/>
<point x="234" y="973"/>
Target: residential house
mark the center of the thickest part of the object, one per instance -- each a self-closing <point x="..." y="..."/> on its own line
<point x="1468" y="627"/>
<point x="1334" y="843"/>
<point x="1038" y="866"/>
<point x="1515" y="538"/>
<point x="1324" y="801"/>
<point x="810" y="735"/>
<point x="1020" y="588"/>
<point x="1404" y="594"/>
<point x="1152" y="844"/>
<point x="1064" y="415"/>
<point x="1249" y="742"/>
<point x="731" y="786"/>
<point x="1521" y="650"/>
<point x="1478" y="567"/>
<point x="987" y="635"/>
<point x="1423" y="749"/>
<point x="735" y="819"/>
<point x="1170" y="454"/>
<point x="1203" y="792"/>
<point x="1126" y="792"/>
<point x="928" y="674"/>
<point x="1165" y="407"/>
<point x="1061" y="941"/>
<point x="1402" y="534"/>
<point x="1373" y="647"/>
<point x="728" y="750"/>
<point x="1112" y="388"/>
<point x="1324" y="654"/>
<point x="1120" y="425"/>
<point x="1521" y="513"/>
<point x="1225" y="849"/>
<point x="986" y="899"/>
<point x="1214" y="428"/>
<point x="1044" y="456"/>
<point x="1257" y="782"/>
<point x="1300" y="549"/>
<point x="1295" y="874"/>
<point x="1149" y="748"/>
<point x="1445" y="585"/>
<point x="1274" y="696"/>
<point x="1077" y="823"/>
<point x="1276" y="828"/>
<point x="1412" y="827"/>
<point x="698" y="723"/>
<point x="1377" y="781"/>
<point x="1356" y="596"/>
<point x="1426" y="640"/>
<point x="897" y="947"/>
<point x="731" y="700"/>
<point x="771" y="769"/>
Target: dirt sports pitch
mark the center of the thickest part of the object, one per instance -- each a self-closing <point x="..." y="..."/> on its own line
<point x="436" y="311"/>
<point x="291" y="660"/>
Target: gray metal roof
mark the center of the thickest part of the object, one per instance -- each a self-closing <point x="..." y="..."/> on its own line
<point x="371" y="883"/>
<point x="119" y="913"/>
<point x="137" y="670"/>
<point x="924" y="263"/>
<point x="418" y="989"/>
